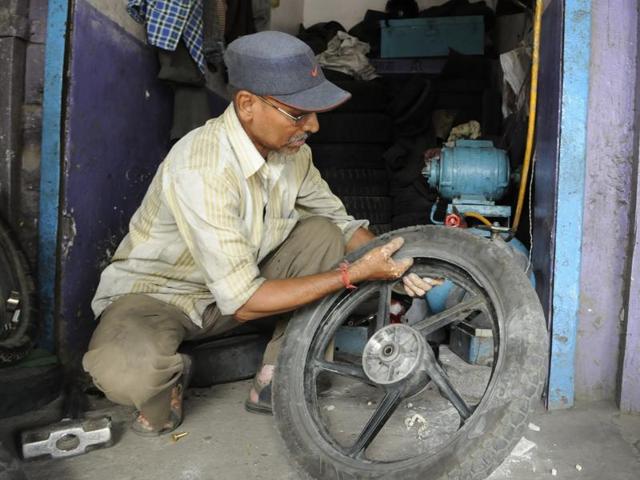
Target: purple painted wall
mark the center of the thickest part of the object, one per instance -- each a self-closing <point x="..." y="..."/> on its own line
<point x="607" y="197"/>
<point x="630" y="378"/>
<point x="117" y="132"/>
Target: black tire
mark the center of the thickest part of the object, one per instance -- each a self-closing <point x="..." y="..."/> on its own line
<point x="491" y="112"/>
<point x="10" y="468"/>
<point x="410" y="219"/>
<point x="411" y="200"/>
<point x="357" y="181"/>
<point x="330" y="155"/>
<point x="353" y="128"/>
<point x="16" y="340"/>
<point x="379" y="229"/>
<point x="227" y="359"/>
<point x="28" y="388"/>
<point x="501" y="416"/>
<point x="366" y="97"/>
<point x="375" y="209"/>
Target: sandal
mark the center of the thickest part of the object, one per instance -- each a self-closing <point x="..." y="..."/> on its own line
<point x="141" y="425"/>
<point x="263" y="405"/>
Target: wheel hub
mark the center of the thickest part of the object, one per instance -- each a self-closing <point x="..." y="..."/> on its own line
<point x="394" y="355"/>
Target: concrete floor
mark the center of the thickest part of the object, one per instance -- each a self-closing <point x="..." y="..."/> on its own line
<point x="225" y="442"/>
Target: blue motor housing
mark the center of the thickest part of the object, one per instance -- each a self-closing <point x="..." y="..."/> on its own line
<point x="442" y="296"/>
<point x="471" y="170"/>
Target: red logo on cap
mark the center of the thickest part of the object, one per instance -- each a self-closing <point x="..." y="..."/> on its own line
<point x="314" y="71"/>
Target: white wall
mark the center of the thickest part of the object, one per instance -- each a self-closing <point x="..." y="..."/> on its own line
<point x="117" y="12"/>
<point x="288" y="16"/>
<point x="350" y="12"/>
<point x="285" y="18"/>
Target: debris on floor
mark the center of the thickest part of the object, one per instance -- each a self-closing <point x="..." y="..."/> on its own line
<point x="219" y="441"/>
<point x="521" y="454"/>
<point x="419" y="421"/>
<point x="523" y="448"/>
<point x="177" y="436"/>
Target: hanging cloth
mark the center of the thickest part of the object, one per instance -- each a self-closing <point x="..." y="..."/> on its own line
<point x="348" y="55"/>
<point x="169" y="21"/>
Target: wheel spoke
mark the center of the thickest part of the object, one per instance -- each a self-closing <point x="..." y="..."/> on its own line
<point x="379" y="418"/>
<point x="454" y="314"/>
<point x="344" y="369"/>
<point x="369" y="308"/>
<point x="441" y="379"/>
<point x="384" y="305"/>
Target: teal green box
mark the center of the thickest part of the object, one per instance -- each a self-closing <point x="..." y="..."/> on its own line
<point x="431" y="37"/>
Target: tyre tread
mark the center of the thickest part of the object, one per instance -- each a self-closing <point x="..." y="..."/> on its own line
<point x="20" y="342"/>
<point x="506" y="407"/>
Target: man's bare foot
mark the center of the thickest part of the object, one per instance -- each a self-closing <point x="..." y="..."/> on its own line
<point x="259" y="400"/>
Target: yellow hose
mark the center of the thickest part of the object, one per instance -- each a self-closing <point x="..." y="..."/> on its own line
<point x="533" y="101"/>
<point x="477" y="216"/>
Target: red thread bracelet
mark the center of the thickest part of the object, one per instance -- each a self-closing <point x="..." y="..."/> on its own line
<point x="344" y="274"/>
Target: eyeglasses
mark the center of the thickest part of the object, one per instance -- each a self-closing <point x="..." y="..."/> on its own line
<point x="294" y="118"/>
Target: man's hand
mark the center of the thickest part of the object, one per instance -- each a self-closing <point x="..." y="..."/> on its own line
<point x="360" y="237"/>
<point x="418" y="287"/>
<point x="377" y="263"/>
<point x="283" y="295"/>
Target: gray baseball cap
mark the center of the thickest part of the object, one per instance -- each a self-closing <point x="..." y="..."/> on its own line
<point x="279" y="65"/>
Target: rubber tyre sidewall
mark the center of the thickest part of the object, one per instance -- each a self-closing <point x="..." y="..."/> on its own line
<point x="375" y="209"/>
<point x="500" y="419"/>
<point x="20" y="342"/>
<point x="26" y="389"/>
<point x="368" y="128"/>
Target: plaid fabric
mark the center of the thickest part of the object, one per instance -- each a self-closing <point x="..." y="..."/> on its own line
<point x="169" y="20"/>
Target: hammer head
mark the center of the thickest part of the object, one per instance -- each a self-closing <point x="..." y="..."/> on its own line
<point x="67" y="438"/>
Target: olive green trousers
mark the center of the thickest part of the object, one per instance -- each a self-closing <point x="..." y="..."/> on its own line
<point x="132" y="355"/>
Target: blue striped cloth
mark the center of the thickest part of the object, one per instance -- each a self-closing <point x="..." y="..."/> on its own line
<point x="167" y="21"/>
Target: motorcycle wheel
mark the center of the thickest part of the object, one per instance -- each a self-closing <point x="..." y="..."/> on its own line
<point x="466" y="434"/>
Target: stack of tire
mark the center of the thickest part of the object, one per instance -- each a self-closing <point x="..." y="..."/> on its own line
<point x="348" y="151"/>
<point x="411" y="109"/>
<point x="25" y="383"/>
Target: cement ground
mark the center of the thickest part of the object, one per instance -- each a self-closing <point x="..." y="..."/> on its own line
<point x="591" y="442"/>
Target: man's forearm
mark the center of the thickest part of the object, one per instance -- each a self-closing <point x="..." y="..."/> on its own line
<point x="283" y="295"/>
<point x="360" y="237"/>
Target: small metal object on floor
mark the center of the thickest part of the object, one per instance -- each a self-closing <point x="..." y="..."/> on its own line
<point x="177" y="436"/>
<point x="67" y="438"/>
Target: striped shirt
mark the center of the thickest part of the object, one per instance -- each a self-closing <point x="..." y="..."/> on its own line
<point x="214" y="210"/>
